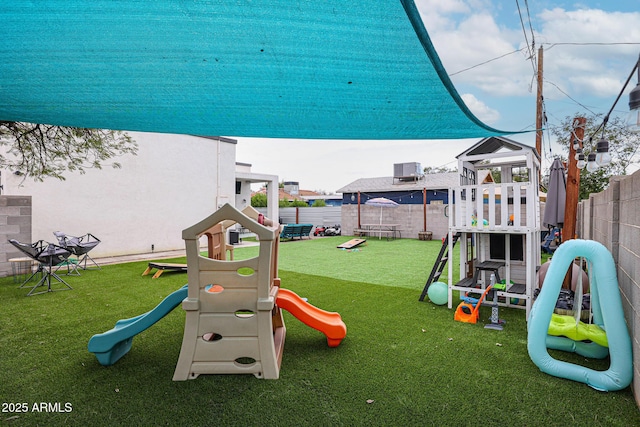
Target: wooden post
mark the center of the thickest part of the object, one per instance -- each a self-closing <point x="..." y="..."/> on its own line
<point x="573" y="183"/>
<point x="359" y="225"/>
<point x="424" y="209"/>
<point x="539" y="109"/>
<point x="573" y="192"/>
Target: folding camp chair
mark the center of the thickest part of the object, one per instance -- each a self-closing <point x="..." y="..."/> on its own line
<point x="550" y="242"/>
<point x="48" y="257"/>
<point x="79" y="246"/>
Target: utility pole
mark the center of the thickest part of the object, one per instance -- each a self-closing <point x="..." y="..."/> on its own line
<point x="539" y="110"/>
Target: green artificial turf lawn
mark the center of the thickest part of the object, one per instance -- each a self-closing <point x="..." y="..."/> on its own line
<point x="402" y="263"/>
<point x="402" y="363"/>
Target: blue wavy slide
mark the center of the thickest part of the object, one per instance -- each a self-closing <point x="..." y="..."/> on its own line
<point x="110" y="346"/>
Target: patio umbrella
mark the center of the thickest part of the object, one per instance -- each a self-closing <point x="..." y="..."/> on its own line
<point x="556" y="196"/>
<point x="381" y="202"/>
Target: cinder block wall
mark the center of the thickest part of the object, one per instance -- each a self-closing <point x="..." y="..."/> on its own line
<point x="611" y="218"/>
<point x="15" y="223"/>
<point x="409" y="217"/>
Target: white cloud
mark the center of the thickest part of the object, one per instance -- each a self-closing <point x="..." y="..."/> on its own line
<point x="583" y="54"/>
<point x="596" y="60"/>
<point x="480" y="110"/>
<point x="466" y="37"/>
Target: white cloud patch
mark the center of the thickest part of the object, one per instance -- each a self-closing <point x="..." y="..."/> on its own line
<point x="480" y="109"/>
<point x="466" y="37"/>
<point x="471" y="35"/>
<point x="589" y="51"/>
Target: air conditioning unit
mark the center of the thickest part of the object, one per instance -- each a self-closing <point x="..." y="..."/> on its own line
<point x="407" y="171"/>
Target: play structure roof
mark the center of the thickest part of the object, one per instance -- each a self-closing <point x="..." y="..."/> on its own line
<point x="495" y="144"/>
<point x="264" y="68"/>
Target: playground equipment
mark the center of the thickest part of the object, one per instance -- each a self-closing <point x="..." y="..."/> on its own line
<point x="608" y="329"/>
<point x="468" y="310"/>
<point x="234" y="324"/>
<point x="438" y="293"/>
<point x="498" y="224"/>
<point x="110" y="346"/>
<point x="494" y="321"/>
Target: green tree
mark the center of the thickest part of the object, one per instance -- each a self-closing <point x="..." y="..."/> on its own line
<point x="44" y="151"/>
<point x="319" y="203"/>
<point x="439" y="169"/>
<point x="623" y="148"/>
<point x="284" y="203"/>
<point x="592" y="182"/>
<point x="259" y="200"/>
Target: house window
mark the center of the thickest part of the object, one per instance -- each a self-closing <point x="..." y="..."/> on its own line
<point x="238" y="187"/>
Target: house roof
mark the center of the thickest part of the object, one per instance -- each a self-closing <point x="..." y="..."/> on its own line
<point x="388" y="183"/>
<point x="435" y="181"/>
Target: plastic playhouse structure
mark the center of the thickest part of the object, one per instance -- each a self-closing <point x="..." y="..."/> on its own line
<point x="234" y="323"/>
<point x="608" y="331"/>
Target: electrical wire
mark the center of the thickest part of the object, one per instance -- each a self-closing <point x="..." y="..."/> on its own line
<point x="569" y="96"/>
<point x="488" y="61"/>
<point x="624" y="86"/>
<point x="524" y="31"/>
<point x="552" y="45"/>
<point x="533" y="41"/>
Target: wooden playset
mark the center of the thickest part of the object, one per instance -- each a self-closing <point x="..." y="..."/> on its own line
<point x="497" y="224"/>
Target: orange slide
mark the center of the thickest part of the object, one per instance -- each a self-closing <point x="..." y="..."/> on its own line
<point x="328" y="323"/>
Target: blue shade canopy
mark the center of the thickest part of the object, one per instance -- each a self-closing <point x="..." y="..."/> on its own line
<point x="360" y="69"/>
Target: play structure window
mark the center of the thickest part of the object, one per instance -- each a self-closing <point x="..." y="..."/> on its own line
<point x="497" y="246"/>
<point x="520" y="174"/>
<point x="463" y="194"/>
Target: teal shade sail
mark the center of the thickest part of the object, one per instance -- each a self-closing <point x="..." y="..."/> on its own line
<point x="330" y="69"/>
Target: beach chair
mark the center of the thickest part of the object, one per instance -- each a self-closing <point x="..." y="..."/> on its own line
<point x="48" y="256"/>
<point x="79" y="246"/>
<point x="549" y="244"/>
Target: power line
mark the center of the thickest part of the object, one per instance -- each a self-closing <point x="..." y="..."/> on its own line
<point x="488" y="61"/>
<point x="533" y="38"/>
<point x="531" y="48"/>
<point x="552" y="45"/>
<point x="533" y="42"/>
<point x="569" y="96"/>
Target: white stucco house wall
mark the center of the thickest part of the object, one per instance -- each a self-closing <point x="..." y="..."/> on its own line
<point x="173" y="182"/>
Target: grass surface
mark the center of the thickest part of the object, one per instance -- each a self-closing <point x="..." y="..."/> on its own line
<point x="403" y="362"/>
<point x="402" y="263"/>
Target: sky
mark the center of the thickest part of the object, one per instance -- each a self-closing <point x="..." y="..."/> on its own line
<point x="589" y="50"/>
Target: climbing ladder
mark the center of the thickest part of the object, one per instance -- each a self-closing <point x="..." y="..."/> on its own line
<point x="440" y="263"/>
